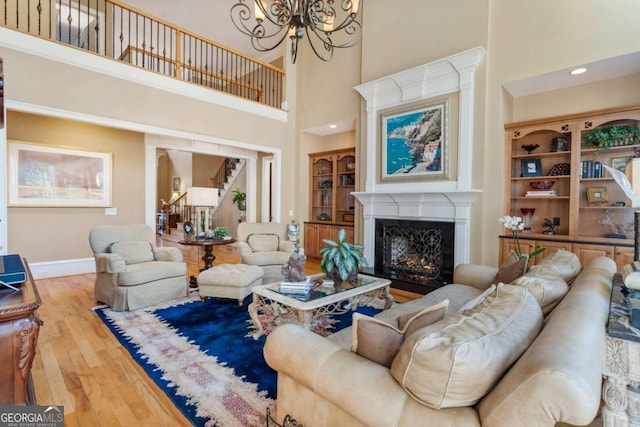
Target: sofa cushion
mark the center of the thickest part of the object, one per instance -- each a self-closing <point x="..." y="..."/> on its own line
<point x="566" y="263"/>
<point x="137" y="274"/>
<point x="456" y="361"/>
<point x="380" y="341"/>
<point x="512" y="268"/>
<point x="133" y="252"/>
<point x="263" y="242"/>
<point x="266" y="258"/>
<point x="545" y="284"/>
<point x="472" y="303"/>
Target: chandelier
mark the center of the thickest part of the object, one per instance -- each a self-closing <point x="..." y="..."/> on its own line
<point x="327" y="25"/>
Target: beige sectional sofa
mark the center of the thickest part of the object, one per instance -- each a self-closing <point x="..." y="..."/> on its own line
<point x="546" y="368"/>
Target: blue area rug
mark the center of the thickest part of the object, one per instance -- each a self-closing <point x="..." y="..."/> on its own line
<point x="203" y="357"/>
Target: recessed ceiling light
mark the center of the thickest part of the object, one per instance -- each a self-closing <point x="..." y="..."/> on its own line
<point x="333" y="126"/>
<point x="578" y="71"/>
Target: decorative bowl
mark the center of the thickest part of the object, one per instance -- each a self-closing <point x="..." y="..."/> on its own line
<point x="542" y="185"/>
<point x="530" y="148"/>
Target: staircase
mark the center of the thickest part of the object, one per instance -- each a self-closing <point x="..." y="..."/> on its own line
<point x="223" y="179"/>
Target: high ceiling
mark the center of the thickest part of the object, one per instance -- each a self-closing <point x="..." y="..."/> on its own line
<point x="212" y="20"/>
<point x="208" y="18"/>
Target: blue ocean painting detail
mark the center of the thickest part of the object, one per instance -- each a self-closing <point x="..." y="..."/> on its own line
<point x="413" y="142"/>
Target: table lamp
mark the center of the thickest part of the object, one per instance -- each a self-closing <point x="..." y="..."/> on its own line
<point x="202" y="198"/>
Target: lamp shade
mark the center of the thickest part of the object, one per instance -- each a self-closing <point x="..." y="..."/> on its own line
<point x="202" y="196"/>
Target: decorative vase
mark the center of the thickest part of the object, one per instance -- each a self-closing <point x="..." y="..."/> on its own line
<point x="527" y="217"/>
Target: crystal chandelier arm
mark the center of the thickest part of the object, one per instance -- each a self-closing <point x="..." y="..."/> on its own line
<point x="353" y="32"/>
<point x="326" y="43"/>
<point x="279" y="13"/>
<point x="322" y="18"/>
<point x="257" y="42"/>
<point x="241" y="15"/>
<point x="322" y="12"/>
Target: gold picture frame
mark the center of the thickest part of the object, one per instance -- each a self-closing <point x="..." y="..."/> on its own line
<point x="597" y="195"/>
<point x="414" y="141"/>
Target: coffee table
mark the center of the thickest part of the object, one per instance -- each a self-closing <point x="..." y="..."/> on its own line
<point x="319" y="301"/>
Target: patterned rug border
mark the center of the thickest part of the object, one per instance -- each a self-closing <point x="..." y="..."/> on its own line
<point x="204" y="389"/>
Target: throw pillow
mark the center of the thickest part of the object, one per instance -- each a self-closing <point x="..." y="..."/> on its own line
<point x="263" y="242"/>
<point x="457" y="360"/>
<point x="511" y="269"/>
<point x="133" y="252"/>
<point x="566" y="263"/>
<point x="545" y="284"/>
<point x="379" y="341"/>
<point x="477" y="300"/>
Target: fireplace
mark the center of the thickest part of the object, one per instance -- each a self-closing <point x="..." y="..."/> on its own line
<point x="418" y="256"/>
<point x="447" y="201"/>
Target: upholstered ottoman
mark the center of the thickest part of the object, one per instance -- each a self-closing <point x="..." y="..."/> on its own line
<point x="229" y="281"/>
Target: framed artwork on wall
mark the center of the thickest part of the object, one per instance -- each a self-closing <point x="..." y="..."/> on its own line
<point x="48" y="175"/>
<point x="415" y="141"/>
<point x="175" y="183"/>
<point x="620" y="163"/>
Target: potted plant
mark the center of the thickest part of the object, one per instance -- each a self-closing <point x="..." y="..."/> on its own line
<point x="240" y="198"/>
<point x="220" y="232"/>
<point x="340" y="259"/>
<point x="606" y="137"/>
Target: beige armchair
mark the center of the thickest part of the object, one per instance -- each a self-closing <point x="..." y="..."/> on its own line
<point x="131" y="272"/>
<point x="264" y="245"/>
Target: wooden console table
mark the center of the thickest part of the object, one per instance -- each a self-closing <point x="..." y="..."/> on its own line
<point x="621" y="388"/>
<point x="19" y="327"/>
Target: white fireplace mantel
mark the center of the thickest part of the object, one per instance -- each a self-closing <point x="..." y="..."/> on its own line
<point x="454" y="206"/>
<point x="438" y="200"/>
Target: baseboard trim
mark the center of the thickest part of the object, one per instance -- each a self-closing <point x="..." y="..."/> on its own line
<point x="44" y="270"/>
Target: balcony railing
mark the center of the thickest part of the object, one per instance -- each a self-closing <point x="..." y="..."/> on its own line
<point x="114" y="30"/>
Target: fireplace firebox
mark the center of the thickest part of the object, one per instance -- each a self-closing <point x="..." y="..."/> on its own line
<point x="417" y="256"/>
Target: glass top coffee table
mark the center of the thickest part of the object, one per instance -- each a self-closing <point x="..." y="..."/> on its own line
<point x="320" y="300"/>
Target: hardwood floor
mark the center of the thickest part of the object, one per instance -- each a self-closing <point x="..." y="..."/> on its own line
<point x="80" y="365"/>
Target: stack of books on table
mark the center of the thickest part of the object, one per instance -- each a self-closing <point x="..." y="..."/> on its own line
<point x="296" y="289"/>
<point x="541" y="193"/>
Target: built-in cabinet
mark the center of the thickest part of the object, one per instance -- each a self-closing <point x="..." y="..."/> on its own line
<point x="19" y="329"/>
<point x="332" y="179"/>
<point x="576" y="196"/>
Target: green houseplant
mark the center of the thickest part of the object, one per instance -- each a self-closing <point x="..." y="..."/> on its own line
<point x="240" y="198"/>
<point x="219" y="232"/>
<point x="606" y="137"/>
<point x="340" y="259"/>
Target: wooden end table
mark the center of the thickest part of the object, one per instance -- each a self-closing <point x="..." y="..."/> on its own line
<point x="208" y="256"/>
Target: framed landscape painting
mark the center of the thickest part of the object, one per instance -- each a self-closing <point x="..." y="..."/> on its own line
<point x="415" y="142"/>
<point x="46" y="175"/>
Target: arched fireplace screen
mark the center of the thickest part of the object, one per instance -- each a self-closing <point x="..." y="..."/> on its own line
<point x="420" y="252"/>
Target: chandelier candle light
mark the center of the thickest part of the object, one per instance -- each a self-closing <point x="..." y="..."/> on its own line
<point x="328" y="24"/>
